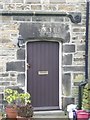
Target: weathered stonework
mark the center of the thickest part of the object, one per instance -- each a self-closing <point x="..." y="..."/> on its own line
<point x="16" y="66"/>
<point x="72" y="35"/>
<point x="39" y="29"/>
<point x="79" y="58"/>
<point x="21" y="79"/>
<point x="21" y="54"/>
<point x="66" y="81"/>
<point x="75" y="93"/>
<point x="67" y="59"/>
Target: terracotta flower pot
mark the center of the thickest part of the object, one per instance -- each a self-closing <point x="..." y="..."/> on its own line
<point x="11" y="112"/>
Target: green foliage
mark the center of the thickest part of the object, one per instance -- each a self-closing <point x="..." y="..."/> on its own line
<point x="19" y="101"/>
<point x="12" y="97"/>
<point x="86" y="97"/>
<point x="24" y="98"/>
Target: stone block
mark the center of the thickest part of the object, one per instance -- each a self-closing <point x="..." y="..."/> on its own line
<point x="21" y="54"/>
<point x="67" y="59"/>
<point x="74" y="68"/>
<point x="22" y="18"/>
<point x="4" y="83"/>
<point x="57" y="1"/>
<point x="2" y="68"/>
<point x="9" y="7"/>
<point x="65" y="7"/>
<point x="75" y="94"/>
<point x="79" y="58"/>
<point x="79" y="54"/>
<point x="41" y="19"/>
<point x="76" y="83"/>
<point x="31" y="28"/>
<point x="12" y="74"/>
<point x="5" y="1"/>
<point x="75" y="38"/>
<point x="11" y="79"/>
<point x="6" y="18"/>
<point x="76" y="29"/>
<point x="1" y="96"/>
<point x="4" y="75"/>
<point x="27" y="7"/>
<point x="1" y="89"/>
<point x="66" y="84"/>
<point x="32" y="1"/>
<point x="50" y="7"/>
<point x="78" y="77"/>
<point x="67" y="37"/>
<point x="13" y="83"/>
<point x="57" y="19"/>
<point x="19" y="7"/>
<point x="18" y="1"/>
<point x="45" y="30"/>
<point x="68" y="48"/>
<point x="15" y="66"/>
<point x="79" y="61"/>
<point x="36" y="7"/>
<point x="1" y="6"/>
<point x="80" y="47"/>
<point x="21" y="79"/>
<point x="74" y="1"/>
<point x="75" y="91"/>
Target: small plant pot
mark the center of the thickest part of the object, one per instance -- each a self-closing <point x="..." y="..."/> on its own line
<point x="11" y="112"/>
<point x="25" y="111"/>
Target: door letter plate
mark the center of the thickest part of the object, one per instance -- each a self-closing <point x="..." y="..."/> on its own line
<point x="42" y="72"/>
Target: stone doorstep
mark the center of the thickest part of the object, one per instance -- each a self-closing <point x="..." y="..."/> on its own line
<point x="49" y="114"/>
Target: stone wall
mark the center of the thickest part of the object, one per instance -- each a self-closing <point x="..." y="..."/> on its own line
<point x="12" y="58"/>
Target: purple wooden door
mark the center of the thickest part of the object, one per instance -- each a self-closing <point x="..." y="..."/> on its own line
<point x="43" y="74"/>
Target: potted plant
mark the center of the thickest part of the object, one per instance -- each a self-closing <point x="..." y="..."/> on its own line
<point x="18" y="104"/>
<point x="25" y="108"/>
<point x="86" y="98"/>
<point x="11" y="96"/>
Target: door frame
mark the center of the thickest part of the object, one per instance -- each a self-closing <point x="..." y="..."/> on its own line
<point x="60" y="66"/>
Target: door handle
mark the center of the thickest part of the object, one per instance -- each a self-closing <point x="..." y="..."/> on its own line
<point x="28" y="66"/>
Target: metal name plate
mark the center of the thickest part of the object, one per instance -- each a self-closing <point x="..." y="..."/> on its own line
<point x="42" y="72"/>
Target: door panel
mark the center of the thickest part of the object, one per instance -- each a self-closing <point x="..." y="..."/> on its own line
<point x="43" y="74"/>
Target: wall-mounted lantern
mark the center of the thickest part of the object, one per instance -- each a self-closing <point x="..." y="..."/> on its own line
<point x="20" y="41"/>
